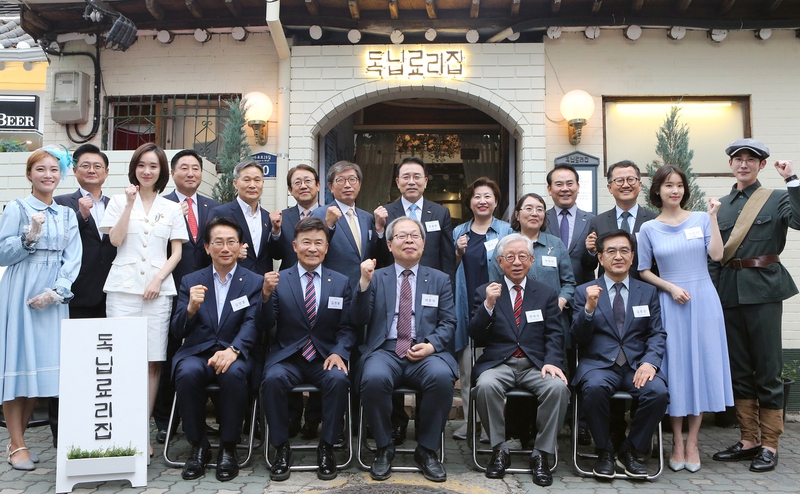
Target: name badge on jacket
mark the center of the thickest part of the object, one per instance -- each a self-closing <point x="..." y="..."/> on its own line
<point x="432" y="226"/>
<point x="429" y="300"/>
<point x="240" y="303"/>
<point x="550" y="261"/>
<point x="534" y="315"/>
<point x="641" y="311"/>
<point x="335" y="303"/>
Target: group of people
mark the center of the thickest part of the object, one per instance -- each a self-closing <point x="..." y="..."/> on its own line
<point x="684" y="313"/>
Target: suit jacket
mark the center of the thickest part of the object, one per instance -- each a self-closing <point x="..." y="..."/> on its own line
<point x="342" y="253"/>
<point x="376" y="307"/>
<point x="643" y="338"/>
<point x="606" y="222"/>
<point x="577" y="247"/>
<point x="542" y="341"/>
<point x="281" y="247"/>
<point x="194" y="255"/>
<point x="766" y="236"/>
<point x="98" y="254"/>
<point x="332" y="331"/>
<point x="439" y="252"/>
<point x="258" y="263"/>
<point x="202" y="332"/>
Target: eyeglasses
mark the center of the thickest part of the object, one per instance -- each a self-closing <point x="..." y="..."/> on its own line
<point x="531" y="209"/>
<point x="619" y="182"/>
<point x="341" y="180"/>
<point x="404" y="236"/>
<point x="523" y="257"/>
<point x="230" y="243"/>
<point x="749" y="161"/>
<point x="611" y="251"/>
<point x="307" y="182"/>
<point x="89" y="166"/>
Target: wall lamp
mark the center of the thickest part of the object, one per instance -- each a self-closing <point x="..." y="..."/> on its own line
<point x="577" y="107"/>
<point x="258" y="110"/>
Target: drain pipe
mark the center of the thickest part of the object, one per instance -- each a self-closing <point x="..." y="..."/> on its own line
<point x="283" y="103"/>
<point x="276" y="28"/>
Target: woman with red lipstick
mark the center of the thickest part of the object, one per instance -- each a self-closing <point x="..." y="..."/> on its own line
<point x="696" y="362"/>
<point x="40" y="244"/>
<point x="141" y="224"/>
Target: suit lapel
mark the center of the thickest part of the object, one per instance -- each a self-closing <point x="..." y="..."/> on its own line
<point x="611" y="219"/>
<point x="266" y="231"/>
<point x="634" y="298"/>
<point x="604" y="303"/>
<point x="343" y="224"/>
<point x="325" y="289"/>
<point x="210" y="301"/>
<point x="363" y="225"/>
<point x="581" y="224"/>
<point x="390" y="280"/>
<point x="640" y="219"/>
<point x="238" y="215"/>
<point x="422" y="287"/>
<point x="505" y="308"/>
<point x="297" y="287"/>
<point x="235" y="290"/>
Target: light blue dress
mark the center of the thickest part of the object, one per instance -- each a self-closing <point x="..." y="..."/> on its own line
<point x="30" y="339"/>
<point x="696" y="362"/>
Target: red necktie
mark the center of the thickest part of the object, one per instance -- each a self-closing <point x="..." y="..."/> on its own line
<point x="518" y="316"/>
<point x="404" y="316"/>
<point x="192" y="219"/>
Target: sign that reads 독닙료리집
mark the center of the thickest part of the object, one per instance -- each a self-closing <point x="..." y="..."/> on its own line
<point x="103" y="423"/>
<point x="416" y="63"/>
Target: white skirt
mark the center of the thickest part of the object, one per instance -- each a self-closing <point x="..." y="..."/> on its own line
<point x="156" y="311"/>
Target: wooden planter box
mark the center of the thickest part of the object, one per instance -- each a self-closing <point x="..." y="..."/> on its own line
<point x="100" y="466"/>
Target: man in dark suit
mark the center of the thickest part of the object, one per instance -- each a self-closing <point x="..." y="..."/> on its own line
<point x="410" y="312"/>
<point x="314" y="337"/>
<point x="187" y="173"/>
<point x="517" y="321"/>
<point x="248" y="178"/>
<point x="216" y="319"/>
<point x="89" y="204"/>
<point x="617" y="327"/>
<point x="624" y="183"/>
<point x="566" y="221"/>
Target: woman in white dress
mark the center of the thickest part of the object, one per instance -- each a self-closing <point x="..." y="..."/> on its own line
<point x="141" y="224"/>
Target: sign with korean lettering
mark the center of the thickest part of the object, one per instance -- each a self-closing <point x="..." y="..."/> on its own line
<point x="103" y="399"/>
<point x="269" y="162"/>
<point x="415" y="63"/>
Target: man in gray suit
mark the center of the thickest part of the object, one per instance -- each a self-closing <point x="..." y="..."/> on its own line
<point x="410" y="312"/>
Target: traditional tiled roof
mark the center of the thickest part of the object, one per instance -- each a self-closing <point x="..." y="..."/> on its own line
<point x="11" y="34"/>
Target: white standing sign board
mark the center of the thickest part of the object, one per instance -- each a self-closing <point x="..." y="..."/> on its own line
<point x="103" y="400"/>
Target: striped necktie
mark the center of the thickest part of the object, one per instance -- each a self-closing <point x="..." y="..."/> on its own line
<point x="309" y="352"/>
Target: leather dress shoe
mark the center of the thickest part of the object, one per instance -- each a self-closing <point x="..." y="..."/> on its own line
<point x="398" y="435"/>
<point x="736" y="453"/>
<point x="381" y="468"/>
<point x="764" y="461"/>
<point x="427" y="461"/>
<point x="282" y="463"/>
<point x="584" y="436"/>
<point x="497" y="465"/>
<point x="195" y="466"/>
<point x="541" y="471"/>
<point x="604" y="466"/>
<point x="310" y="430"/>
<point x="227" y="465"/>
<point x="630" y="462"/>
<point x="161" y="436"/>
<point x="326" y="461"/>
<point x="294" y="427"/>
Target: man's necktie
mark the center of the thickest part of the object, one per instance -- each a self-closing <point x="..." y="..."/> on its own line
<point x="309" y="352"/>
<point x="404" y="316"/>
<point x="619" y="319"/>
<point x="564" y="227"/>
<point x="303" y="214"/>
<point x="625" y="225"/>
<point x="518" y="317"/>
<point x="353" y="222"/>
<point x="412" y="212"/>
<point x="192" y="219"/>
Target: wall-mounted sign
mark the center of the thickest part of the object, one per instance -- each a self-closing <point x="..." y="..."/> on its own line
<point x="19" y="112"/>
<point x="269" y="162"/>
<point x="586" y="166"/>
<point x="422" y="63"/>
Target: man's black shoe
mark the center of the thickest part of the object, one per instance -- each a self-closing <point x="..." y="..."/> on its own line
<point x="398" y="435"/>
<point x="584" y="437"/>
<point x="764" y="461"/>
<point x="381" y="468"/>
<point x="310" y="430"/>
<point x="541" y="471"/>
<point x="227" y="465"/>
<point x="326" y="461"/>
<point x="427" y="461"/>
<point x="195" y="466"/>
<point x="629" y="461"/>
<point x="294" y="427"/>
<point x="497" y="465"/>
<point x="604" y="466"/>
<point x="282" y="464"/>
<point x="161" y="436"/>
<point x="736" y="453"/>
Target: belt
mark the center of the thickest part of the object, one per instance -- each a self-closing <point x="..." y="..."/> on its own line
<point x="754" y="262"/>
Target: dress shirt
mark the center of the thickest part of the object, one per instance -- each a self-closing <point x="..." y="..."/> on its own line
<point x="98" y="209"/>
<point x="193" y="197"/>
<point x="317" y="281"/>
<point x="221" y="289"/>
<point x="412" y="280"/>
<point x="573" y="212"/>
<point x="253" y="219"/>
<point x="631" y="221"/>
<point x="512" y="294"/>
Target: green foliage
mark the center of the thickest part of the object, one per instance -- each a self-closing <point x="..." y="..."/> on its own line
<point x="10" y="146"/>
<point x="790" y="370"/>
<point x="76" y="453"/>
<point x="234" y="149"/>
<point x="673" y="149"/>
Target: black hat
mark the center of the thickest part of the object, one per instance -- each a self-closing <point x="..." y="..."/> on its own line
<point x="753" y="145"/>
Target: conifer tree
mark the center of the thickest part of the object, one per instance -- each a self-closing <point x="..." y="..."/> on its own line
<point x="234" y="149"/>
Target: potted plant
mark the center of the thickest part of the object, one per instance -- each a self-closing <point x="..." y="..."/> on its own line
<point x="100" y="461"/>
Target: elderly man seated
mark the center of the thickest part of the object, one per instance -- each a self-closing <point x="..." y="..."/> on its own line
<point x="517" y="323"/>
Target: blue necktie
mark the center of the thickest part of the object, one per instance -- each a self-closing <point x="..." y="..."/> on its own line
<point x="412" y="212"/>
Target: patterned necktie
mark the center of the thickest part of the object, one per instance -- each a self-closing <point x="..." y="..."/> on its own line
<point x="353" y="222"/>
<point x="404" y="316"/>
<point x="619" y="319"/>
<point x="303" y="214"/>
<point x="518" y="317"/>
<point x="412" y="212"/>
<point x="625" y="225"/>
<point x="564" y="227"/>
<point x="192" y="219"/>
<point x="309" y="352"/>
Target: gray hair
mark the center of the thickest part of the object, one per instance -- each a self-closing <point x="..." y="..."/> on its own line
<point x="343" y="166"/>
<point x="247" y="163"/>
<point x="390" y="228"/>
<point x="513" y="237"/>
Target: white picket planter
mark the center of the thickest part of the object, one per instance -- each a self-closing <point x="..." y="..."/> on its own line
<point x="101" y="466"/>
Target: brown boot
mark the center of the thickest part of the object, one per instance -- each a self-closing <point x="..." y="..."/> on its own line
<point x="771" y="427"/>
<point x="748" y="418"/>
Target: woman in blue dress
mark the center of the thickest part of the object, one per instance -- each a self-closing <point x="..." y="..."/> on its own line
<point x="40" y="244"/>
<point x="696" y="361"/>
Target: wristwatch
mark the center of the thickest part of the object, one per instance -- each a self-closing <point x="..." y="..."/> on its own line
<point x="235" y="350"/>
<point x="791" y="178"/>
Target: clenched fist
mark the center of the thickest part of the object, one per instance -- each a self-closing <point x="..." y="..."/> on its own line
<point x="271" y="280"/>
<point x="367" y="270"/>
<point x="493" y="291"/>
<point x="592" y="295"/>
<point x="197" y="295"/>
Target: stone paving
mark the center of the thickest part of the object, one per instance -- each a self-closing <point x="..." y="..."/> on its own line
<point x="713" y="477"/>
